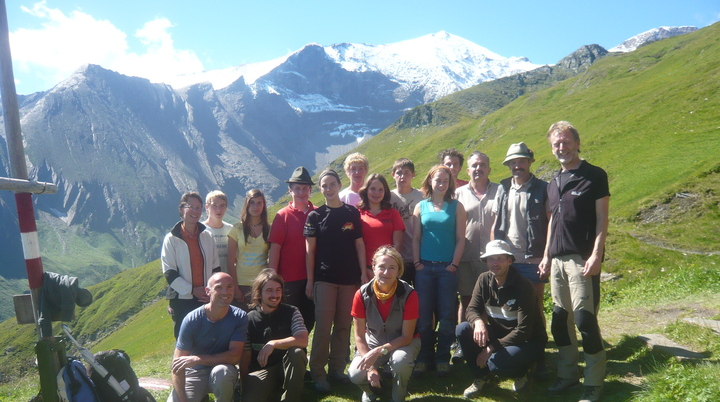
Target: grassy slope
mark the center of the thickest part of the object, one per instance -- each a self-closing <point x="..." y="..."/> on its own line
<point x="648" y="117"/>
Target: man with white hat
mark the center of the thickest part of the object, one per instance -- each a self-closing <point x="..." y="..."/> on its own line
<point x="522" y="215"/>
<point x="504" y="333"/>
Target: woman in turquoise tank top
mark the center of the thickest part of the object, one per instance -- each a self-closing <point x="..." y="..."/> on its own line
<point x="438" y="243"/>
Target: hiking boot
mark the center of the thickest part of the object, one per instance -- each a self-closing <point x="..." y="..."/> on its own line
<point x="338" y="377"/>
<point x="322" y="386"/>
<point x="521" y="384"/>
<point x="561" y="385"/>
<point x="442" y="369"/>
<point x="474" y="388"/>
<point x="591" y="394"/>
<point x="457" y="356"/>
<point x="420" y="368"/>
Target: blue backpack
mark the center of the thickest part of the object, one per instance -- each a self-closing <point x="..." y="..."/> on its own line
<point x="74" y="385"/>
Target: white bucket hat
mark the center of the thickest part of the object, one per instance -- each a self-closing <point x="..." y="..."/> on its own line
<point x="496" y="247"/>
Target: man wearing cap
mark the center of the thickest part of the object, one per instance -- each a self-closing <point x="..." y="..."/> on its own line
<point x="287" y="244"/>
<point x="522" y="215"/>
<point x="579" y="198"/>
<point x="504" y="333"/>
<point x="478" y="198"/>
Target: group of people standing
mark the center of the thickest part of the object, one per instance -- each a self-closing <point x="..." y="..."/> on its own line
<point x="452" y="266"/>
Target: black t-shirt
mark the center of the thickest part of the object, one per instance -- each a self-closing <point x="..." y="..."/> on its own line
<point x="572" y="197"/>
<point x="336" y="230"/>
<point x="263" y="328"/>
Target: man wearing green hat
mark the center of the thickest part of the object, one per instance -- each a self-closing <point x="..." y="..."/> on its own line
<point x="522" y="215"/>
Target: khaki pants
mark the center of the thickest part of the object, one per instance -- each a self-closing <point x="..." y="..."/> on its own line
<point x="576" y="298"/>
<point x="401" y="361"/>
<point x="331" y="340"/>
<point x="220" y="380"/>
<point x="278" y="382"/>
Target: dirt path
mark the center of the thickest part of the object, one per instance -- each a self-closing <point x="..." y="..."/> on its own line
<point x="654" y="242"/>
<point x="652" y="318"/>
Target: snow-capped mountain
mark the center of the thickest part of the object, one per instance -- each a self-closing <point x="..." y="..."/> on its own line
<point x="436" y="64"/>
<point x="650" y="36"/>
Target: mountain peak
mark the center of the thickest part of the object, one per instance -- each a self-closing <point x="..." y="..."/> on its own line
<point x="650" y="36"/>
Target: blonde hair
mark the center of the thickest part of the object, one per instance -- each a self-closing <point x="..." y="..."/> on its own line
<point x="391" y="252"/>
<point x="215" y="194"/>
<point x="356" y="157"/>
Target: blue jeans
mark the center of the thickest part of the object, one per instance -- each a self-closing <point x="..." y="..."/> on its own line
<point x="509" y="362"/>
<point x="437" y="294"/>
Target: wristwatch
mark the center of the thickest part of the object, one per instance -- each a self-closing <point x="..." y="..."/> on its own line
<point x="383" y="351"/>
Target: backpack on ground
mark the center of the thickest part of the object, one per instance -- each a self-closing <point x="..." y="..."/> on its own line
<point x="117" y="364"/>
<point x="74" y="385"/>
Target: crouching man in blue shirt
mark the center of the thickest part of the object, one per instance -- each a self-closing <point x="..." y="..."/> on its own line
<point x="209" y="346"/>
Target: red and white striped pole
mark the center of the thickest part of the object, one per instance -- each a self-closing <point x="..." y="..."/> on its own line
<point x="18" y="168"/>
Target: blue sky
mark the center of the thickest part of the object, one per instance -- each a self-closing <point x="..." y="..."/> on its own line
<point x="160" y="38"/>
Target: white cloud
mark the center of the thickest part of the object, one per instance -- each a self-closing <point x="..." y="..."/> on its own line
<point x="66" y="42"/>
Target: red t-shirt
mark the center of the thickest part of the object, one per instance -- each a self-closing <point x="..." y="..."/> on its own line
<point x="287" y="231"/>
<point x="410" y="312"/>
<point x="378" y="229"/>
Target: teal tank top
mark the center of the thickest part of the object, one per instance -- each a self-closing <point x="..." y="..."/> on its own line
<point x="438" y="231"/>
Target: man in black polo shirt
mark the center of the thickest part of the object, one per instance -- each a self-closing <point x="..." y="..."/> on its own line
<point x="579" y="200"/>
<point x="273" y="364"/>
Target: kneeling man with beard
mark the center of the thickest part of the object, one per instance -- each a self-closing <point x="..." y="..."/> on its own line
<point x="273" y="364"/>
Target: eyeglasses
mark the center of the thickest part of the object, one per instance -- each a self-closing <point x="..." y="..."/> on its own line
<point x="196" y="209"/>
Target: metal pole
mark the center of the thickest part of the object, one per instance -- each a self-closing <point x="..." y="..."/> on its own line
<point x="48" y="360"/>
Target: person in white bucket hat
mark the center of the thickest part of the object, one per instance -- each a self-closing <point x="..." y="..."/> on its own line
<point x="504" y="332"/>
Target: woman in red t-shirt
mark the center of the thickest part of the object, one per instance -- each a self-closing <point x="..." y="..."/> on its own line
<point x="385" y="311"/>
<point x="381" y="223"/>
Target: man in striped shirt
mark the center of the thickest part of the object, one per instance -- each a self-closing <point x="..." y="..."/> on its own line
<point x="273" y="364"/>
<point x="504" y="333"/>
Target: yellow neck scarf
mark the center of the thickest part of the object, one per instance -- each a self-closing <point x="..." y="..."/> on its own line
<point x="384" y="296"/>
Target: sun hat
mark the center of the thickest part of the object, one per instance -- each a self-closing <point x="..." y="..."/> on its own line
<point x="300" y="176"/>
<point x="496" y="247"/>
<point x="519" y="150"/>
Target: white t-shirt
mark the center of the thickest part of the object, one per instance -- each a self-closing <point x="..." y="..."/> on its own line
<point x="221" y="242"/>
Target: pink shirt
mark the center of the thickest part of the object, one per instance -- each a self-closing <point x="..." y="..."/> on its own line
<point x="378" y="229"/>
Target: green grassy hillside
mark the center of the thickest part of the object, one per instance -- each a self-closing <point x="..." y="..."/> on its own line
<point x="649" y="117"/>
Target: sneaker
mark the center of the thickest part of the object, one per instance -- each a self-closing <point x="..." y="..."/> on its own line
<point x="521" y="384"/>
<point x="322" y="386"/>
<point x="591" y="394"/>
<point x="420" y="368"/>
<point x="369" y="397"/>
<point x="561" y="385"/>
<point x="339" y="377"/>
<point x="442" y="369"/>
<point x="457" y="357"/>
<point x="474" y="388"/>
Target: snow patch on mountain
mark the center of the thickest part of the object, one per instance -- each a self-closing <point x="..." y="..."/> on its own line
<point x="439" y="64"/>
<point x="650" y="36"/>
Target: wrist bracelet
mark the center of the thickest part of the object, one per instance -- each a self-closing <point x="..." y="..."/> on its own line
<point x="454" y="265"/>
